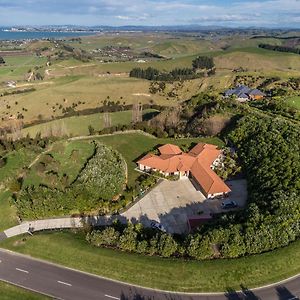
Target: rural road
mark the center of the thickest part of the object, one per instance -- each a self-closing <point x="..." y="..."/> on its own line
<point x="63" y="283"/>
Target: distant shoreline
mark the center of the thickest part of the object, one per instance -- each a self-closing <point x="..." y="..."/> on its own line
<point x="7" y="34"/>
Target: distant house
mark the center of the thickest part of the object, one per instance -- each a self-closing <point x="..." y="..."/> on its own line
<point x="197" y="164"/>
<point x="244" y="93"/>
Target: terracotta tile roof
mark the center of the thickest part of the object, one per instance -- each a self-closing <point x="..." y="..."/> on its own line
<point x="198" y="161"/>
<point x="170" y="149"/>
<point x="210" y="182"/>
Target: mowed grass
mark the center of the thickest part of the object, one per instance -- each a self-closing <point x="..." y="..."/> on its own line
<point x="68" y="249"/>
<point x="10" y="292"/>
<point x="134" y="145"/>
<point x="7" y="210"/>
<point x="78" y="125"/>
<point x="294" y="102"/>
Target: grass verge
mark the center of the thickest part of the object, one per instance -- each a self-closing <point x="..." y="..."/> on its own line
<point x="69" y="249"/>
<point x="9" y="292"/>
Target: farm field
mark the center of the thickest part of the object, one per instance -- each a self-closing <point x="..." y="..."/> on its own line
<point x="154" y="272"/>
<point x="70" y="81"/>
<point x="85" y="92"/>
<point x="78" y="125"/>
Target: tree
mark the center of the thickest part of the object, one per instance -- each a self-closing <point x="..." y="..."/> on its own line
<point x="107" y="120"/>
<point x="137" y="112"/>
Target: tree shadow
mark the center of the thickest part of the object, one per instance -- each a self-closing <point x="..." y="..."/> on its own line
<point x="284" y="294"/>
<point x="150" y="115"/>
<point x="244" y="294"/>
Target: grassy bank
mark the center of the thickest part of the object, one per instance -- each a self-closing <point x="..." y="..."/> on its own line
<point x="9" y="292"/>
<point x="8" y="211"/>
<point x="68" y="248"/>
<point x="78" y="125"/>
<point x="294" y="102"/>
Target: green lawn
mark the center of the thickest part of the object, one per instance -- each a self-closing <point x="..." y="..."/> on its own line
<point x="78" y="125"/>
<point x="294" y="102"/>
<point x="133" y="146"/>
<point x="8" y="211"/>
<point x="10" y="292"/>
<point x="69" y="249"/>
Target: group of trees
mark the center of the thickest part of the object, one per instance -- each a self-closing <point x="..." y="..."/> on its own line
<point x="280" y="48"/>
<point x="135" y="238"/>
<point x="200" y="63"/>
<point x="270" y="152"/>
<point x="203" y="62"/>
<point x="174" y="75"/>
<point x="8" y="145"/>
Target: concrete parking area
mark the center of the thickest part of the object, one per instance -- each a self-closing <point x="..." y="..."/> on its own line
<point x="172" y="202"/>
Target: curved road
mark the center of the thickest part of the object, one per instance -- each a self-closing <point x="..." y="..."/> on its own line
<point x="63" y="283"/>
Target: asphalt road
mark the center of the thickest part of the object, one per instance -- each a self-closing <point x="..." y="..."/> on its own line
<point x="63" y="283"/>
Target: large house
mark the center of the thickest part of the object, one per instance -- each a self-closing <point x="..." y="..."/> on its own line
<point x="244" y="93"/>
<point x="197" y="164"/>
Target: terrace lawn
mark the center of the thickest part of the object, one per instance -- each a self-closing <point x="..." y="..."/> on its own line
<point x="68" y="249"/>
<point x="133" y="146"/>
<point x="65" y="158"/>
<point x="78" y="125"/>
<point x="10" y="292"/>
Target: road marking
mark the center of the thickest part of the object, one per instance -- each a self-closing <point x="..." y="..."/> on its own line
<point x="64" y="283"/>
<point x="112" y="297"/>
<point x="20" y="270"/>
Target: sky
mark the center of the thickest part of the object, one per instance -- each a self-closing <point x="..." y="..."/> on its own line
<point x="229" y="13"/>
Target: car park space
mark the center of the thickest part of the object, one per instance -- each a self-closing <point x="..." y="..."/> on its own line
<point x="170" y="204"/>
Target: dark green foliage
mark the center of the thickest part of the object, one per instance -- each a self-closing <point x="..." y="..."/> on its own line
<point x="270" y="152"/>
<point x="2" y="61"/>
<point x="203" y="62"/>
<point x="134" y="238"/>
<point x="280" y="48"/>
<point x="154" y="74"/>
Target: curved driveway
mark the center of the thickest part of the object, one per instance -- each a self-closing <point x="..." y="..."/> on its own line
<point x="64" y="283"/>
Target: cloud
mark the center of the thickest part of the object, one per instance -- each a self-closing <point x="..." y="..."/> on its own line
<point x="151" y="12"/>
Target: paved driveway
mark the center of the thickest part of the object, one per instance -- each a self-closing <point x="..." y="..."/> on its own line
<point x="171" y="202"/>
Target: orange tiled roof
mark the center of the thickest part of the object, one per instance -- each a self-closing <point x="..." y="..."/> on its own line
<point x="169" y="149"/>
<point x="198" y="161"/>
